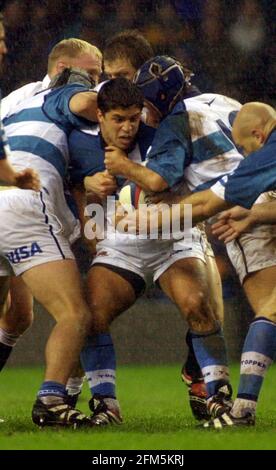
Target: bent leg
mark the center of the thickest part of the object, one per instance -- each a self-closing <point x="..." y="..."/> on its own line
<point x="215" y="288"/>
<point x="186" y="283"/>
<point x="260" y="289"/>
<point x="260" y="343"/>
<point x="108" y="295"/>
<point x="57" y="286"/>
<point x="107" y="299"/>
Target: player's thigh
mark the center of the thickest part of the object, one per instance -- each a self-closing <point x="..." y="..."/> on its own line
<point x="108" y="292"/>
<point x="186" y="284"/>
<point x="260" y="288"/>
<point x="57" y="286"/>
<point x="215" y="287"/>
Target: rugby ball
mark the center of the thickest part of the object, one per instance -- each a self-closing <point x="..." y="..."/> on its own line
<point x="132" y="195"/>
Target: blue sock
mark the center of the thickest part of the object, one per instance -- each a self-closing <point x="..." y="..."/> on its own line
<point x="258" y="351"/>
<point x="99" y="362"/>
<point x="50" y="388"/>
<point x="257" y="355"/>
<point x="211" y="355"/>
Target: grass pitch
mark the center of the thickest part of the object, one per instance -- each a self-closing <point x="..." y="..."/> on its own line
<point x="155" y="409"/>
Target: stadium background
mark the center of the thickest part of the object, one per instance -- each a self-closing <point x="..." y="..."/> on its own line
<point x="230" y="46"/>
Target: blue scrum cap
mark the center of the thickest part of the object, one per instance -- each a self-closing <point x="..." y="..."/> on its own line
<point x="162" y="81"/>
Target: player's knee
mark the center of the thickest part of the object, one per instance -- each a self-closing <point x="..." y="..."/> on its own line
<point x="73" y="311"/>
<point x="195" y="304"/>
<point x="98" y="306"/>
<point x="199" y="313"/>
<point x="202" y="325"/>
<point x="100" y="322"/>
<point x="81" y="320"/>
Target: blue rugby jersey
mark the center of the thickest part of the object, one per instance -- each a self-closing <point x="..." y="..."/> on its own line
<point x="197" y="155"/>
<point x="86" y="149"/>
<point x="256" y="174"/>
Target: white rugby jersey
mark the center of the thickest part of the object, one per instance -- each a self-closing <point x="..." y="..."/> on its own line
<point x="194" y="159"/>
<point x="21" y="94"/>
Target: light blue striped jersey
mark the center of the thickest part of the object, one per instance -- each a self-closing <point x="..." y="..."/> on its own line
<point x="195" y="161"/>
<point x="37" y="129"/>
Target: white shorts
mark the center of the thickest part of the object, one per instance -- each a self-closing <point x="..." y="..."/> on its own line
<point x="149" y="259"/>
<point x="30" y="235"/>
<point x="253" y="251"/>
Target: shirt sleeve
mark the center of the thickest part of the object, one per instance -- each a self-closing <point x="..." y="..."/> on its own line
<point x="255" y="175"/>
<point x="86" y="156"/>
<point x="169" y="153"/>
<point x="56" y="106"/>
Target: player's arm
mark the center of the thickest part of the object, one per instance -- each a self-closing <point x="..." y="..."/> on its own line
<point x="84" y="104"/>
<point x="205" y="204"/>
<point x="81" y="201"/>
<point x="25" y="179"/>
<point x="7" y="172"/>
<point x="118" y="163"/>
<point x="264" y="213"/>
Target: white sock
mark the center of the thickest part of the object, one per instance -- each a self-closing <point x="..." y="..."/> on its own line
<point x="7" y="338"/>
<point x="74" y="385"/>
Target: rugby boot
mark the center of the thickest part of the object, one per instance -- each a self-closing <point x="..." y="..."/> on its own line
<point x="197" y="394"/>
<point x="105" y="410"/>
<point x="60" y="414"/>
<point x="227" y="420"/>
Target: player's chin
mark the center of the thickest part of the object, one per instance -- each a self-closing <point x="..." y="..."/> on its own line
<point x="124" y="143"/>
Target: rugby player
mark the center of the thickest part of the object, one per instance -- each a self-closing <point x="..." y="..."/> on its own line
<point x="124" y="54"/>
<point x="35" y="238"/>
<point x="16" y="313"/>
<point x="253" y="253"/>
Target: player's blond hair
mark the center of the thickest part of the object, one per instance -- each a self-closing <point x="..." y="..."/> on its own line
<point x="72" y="47"/>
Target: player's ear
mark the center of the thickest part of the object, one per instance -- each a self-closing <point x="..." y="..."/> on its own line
<point x="60" y="66"/>
<point x="100" y="115"/>
<point x="259" y="135"/>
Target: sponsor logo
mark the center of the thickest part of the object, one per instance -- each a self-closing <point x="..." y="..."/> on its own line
<point x="251" y="362"/>
<point x="23" y="252"/>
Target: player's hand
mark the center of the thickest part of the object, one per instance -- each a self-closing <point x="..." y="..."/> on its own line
<point x="115" y="160"/>
<point x="232" y="223"/>
<point x="102" y="184"/>
<point x="127" y="220"/>
<point x="28" y="179"/>
<point x="144" y="221"/>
